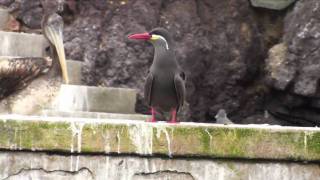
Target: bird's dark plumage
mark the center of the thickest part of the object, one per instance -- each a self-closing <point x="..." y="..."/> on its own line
<point x="16" y="73"/>
<point x="164" y="86"/>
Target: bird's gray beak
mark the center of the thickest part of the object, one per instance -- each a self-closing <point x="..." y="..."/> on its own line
<point x="54" y="32"/>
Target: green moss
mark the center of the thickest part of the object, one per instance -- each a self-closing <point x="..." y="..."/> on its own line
<point x="188" y="140"/>
<point x="205" y="141"/>
<point x="245" y="133"/>
<point x="313" y="142"/>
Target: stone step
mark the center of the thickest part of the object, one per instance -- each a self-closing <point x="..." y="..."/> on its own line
<point x="95" y="99"/>
<point x="4" y="18"/>
<point x="22" y="44"/>
<point x="272" y="4"/>
<point x="74" y="72"/>
<point x="94" y="115"/>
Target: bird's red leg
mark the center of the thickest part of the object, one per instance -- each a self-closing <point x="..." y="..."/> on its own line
<point x="153" y="114"/>
<point x="173" y="116"/>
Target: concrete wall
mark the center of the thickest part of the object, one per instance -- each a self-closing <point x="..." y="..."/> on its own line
<point x="25" y="165"/>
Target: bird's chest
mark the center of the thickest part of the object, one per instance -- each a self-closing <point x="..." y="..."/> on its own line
<point x="163" y="82"/>
<point x="163" y="91"/>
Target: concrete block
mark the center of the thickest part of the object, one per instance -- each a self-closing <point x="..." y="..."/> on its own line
<point x="95" y="99"/>
<point x="74" y="72"/>
<point x="4" y="17"/>
<point x="22" y="44"/>
<point x="272" y="4"/>
<point x="21" y="165"/>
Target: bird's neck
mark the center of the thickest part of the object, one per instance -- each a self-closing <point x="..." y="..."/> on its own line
<point x="164" y="58"/>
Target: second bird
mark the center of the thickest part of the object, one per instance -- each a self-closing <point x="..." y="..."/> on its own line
<point x="164" y="87"/>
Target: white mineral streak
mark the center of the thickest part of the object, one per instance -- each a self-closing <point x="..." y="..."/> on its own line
<point x="107" y="169"/>
<point x="163" y="129"/>
<point x="76" y="129"/>
<point x="71" y="163"/>
<point x="119" y="141"/>
<point x="106" y="139"/>
<point x="77" y="163"/>
<point x="20" y="142"/>
<point x="210" y="136"/>
<point x="141" y="135"/>
<point x="306" y="136"/>
<point x="146" y="165"/>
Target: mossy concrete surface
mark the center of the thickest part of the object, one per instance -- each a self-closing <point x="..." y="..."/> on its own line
<point x="120" y="136"/>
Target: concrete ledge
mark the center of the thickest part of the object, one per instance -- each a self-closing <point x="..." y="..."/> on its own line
<point x="95" y="99"/>
<point x="22" y="44"/>
<point x="74" y="72"/>
<point x="79" y="135"/>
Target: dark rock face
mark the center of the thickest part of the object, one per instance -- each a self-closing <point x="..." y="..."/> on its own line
<point x="217" y="43"/>
<point x="214" y="44"/>
<point x="30" y="12"/>
<point x="297" y="73"/>
<point x="302" y="35"/>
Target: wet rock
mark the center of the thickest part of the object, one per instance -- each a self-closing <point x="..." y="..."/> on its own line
<point x="30" y="13"/>
<point x="272" y="4"/>
<point x="294" y="67"/>
<point x="303" y="39"/>
<point x="6" y="2"/>
<point x="293" y="110"/>
<point x="281" y="72"/>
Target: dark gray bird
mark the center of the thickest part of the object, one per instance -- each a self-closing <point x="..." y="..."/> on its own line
<point x="222" y="118"/>
<point x="164" y="86"/>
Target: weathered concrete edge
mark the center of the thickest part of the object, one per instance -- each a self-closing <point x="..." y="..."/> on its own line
<point x="79" y="135"/>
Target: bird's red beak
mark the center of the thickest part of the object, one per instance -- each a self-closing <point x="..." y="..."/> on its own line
<point x="142" y="36"/>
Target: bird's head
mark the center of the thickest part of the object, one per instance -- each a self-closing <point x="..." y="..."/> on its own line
<point x="52" y="26"/>
<point x="159" y="37"/>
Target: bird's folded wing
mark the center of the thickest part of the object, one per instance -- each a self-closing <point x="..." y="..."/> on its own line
<point x="180" y="89"/>
<point x="16" y="73"/>
<point x="148" y="89"/>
